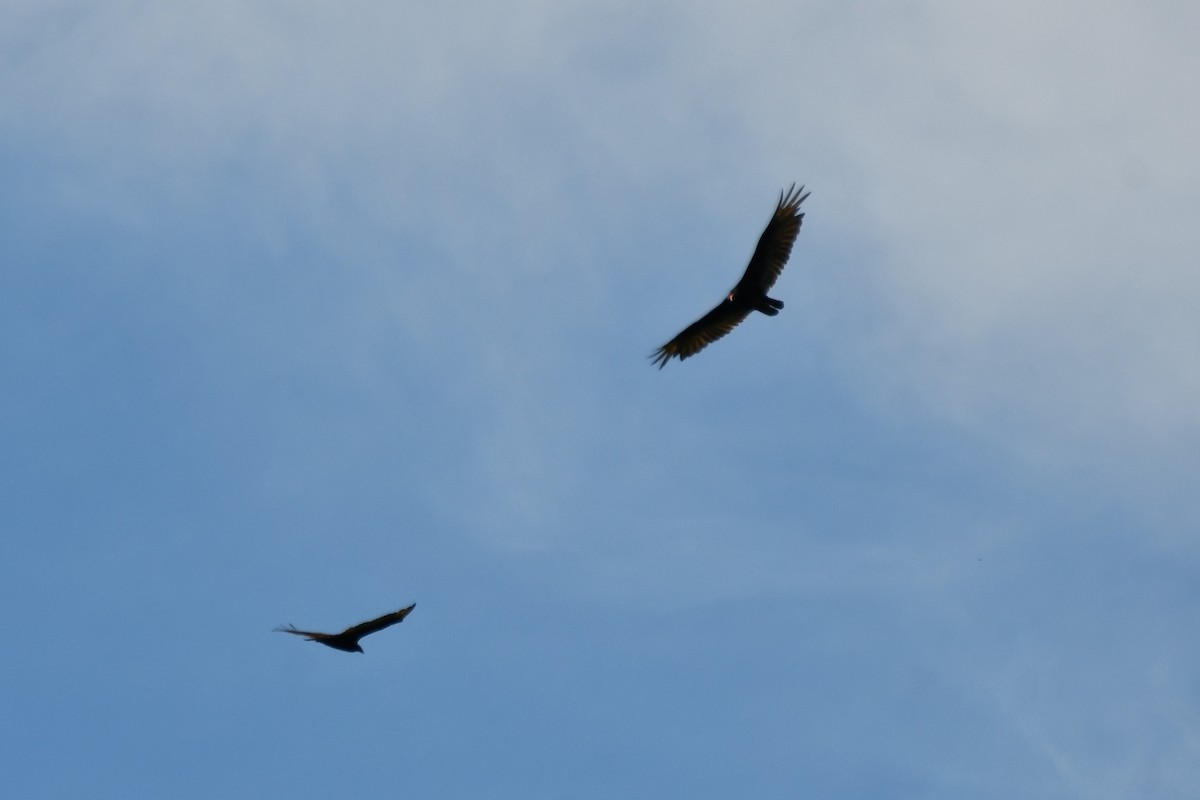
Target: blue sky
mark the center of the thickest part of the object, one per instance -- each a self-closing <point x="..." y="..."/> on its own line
<point x="309" y="313"/>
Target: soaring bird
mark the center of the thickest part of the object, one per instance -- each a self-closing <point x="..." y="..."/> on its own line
<point x="750" y="294"/>
<point x="348" y="639"/>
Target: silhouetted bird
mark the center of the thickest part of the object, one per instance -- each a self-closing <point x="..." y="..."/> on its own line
<point x="750" y="294"/>
<point x="348" y="639"/>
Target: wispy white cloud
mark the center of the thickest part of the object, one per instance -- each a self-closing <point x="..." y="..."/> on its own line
<point x="1016" y="183"/>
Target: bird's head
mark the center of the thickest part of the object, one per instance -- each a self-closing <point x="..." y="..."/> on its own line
<point x="732" y="296"/>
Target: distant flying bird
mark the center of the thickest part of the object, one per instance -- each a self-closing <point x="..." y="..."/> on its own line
<point x="348" y="639"/>
<point x="750" y="294"/>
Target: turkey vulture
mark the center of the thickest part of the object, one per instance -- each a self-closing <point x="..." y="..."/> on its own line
<point x="750" y="294"/>
<point x="348" y="639"/>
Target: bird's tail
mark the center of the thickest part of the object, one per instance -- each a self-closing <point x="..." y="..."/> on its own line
<point x="770" y="306"/>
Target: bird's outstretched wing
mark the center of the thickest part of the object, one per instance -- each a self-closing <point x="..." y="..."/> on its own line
<point x="701" y="333"/>
<point x="375" y="625"/>
<point x="775" y="244"/>
<point x="295" y="630"/>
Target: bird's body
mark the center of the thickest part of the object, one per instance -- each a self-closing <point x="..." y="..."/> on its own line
<point x="347" y="640"/>
<point x="750" y="294"/>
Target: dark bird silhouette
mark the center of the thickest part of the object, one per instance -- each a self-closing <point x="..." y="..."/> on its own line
<point x="750" y="294"/>
<point x="348" y="639"/>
